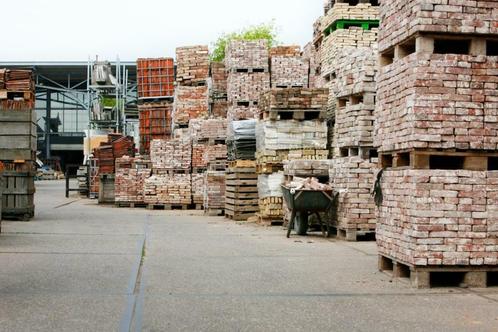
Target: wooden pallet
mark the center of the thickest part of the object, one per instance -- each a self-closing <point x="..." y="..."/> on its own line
<point x="300" y="115"/>
<point x="170" y="171"/>
<point x="210" y="141"/>
<point x="434" y="159"/>
<point x="167" y="207"/>
<point x="270" y="220"/>
<point x="131" y="205"/>
<point x="249" y="70"/>
<point x="440" y="276"/>
<point x="214" y="212"/>
<point x="269" y="168"/>
<point x="238" y="215"/>
<point x="355" y="235"/>
<point x="242" y="164"/>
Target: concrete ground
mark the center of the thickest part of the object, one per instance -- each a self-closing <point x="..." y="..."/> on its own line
<point x="82" y="267"/>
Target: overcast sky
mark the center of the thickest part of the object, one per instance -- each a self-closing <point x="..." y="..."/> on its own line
<point x="43" y="30"/>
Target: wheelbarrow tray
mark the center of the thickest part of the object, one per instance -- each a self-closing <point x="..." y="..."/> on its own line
<point x="308" y="200"/>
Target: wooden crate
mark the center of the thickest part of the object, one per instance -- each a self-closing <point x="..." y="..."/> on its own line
<point x="18" y="195"/>
<point x="17" y="134"/>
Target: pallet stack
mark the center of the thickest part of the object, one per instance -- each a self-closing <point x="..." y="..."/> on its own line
<point x="241" y="200"/>
<point x="436" y="132"/>
<point x="241" y="195"/>
<point x="17" y="144"/>
<point x="156" y="88"/>
<point x="131" y="174"/>
<point x="292" y="126"/>
<point x="170" y="185"/>
<point x="289" y="69"/>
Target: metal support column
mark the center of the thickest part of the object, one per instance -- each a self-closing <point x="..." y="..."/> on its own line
<point x="47" y="123"/>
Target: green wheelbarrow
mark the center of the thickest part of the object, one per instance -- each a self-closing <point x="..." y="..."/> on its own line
<point x="304" y="203"/>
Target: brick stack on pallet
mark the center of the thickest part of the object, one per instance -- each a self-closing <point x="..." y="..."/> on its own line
<point x="170" y="185"/>
<point x="292" y="126"/>
<point x="208" y="146"/>
<point x="345" y="25"/>
<point x="214" y="192"/>
<point x="349" y="67"/>
<point x="156" y="88"/>
<point x="247" y="64"/>
<point x="208" y="142"/>
<point x="17" y="144"/>
<point x="436" y="133"/>
<point x="192" y="95"/>
<point x="131" y="174"/>
<point x="218" y="102"/>
<point x="102" y="172"/>
<point x="289" y="69"/>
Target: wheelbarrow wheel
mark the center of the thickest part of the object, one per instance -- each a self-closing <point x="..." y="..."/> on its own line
<point x="301" y="223"/>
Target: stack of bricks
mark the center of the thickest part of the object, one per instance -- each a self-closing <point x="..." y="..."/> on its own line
<point x="192" y="93"/>
<point x="218" y="90"/>
<point x="353" y="178"/>
<point x="209" y="141"/>
<point x="214" y="192"/>
<point x="348" y="65"/>
<point x="168" y="190"/>
<point x="347" y="26"/>
<point x="292" y="126"/>
<point x="192" y="65"/>
<point x="436" y="129"/>
<point x="247" y="64"/>
<point x="170" y="185"/>
<point x="173" y="154"/>
<point x="131" y="174"/>
<point x="198" y="189"/>
<point x="191" y="102"/>
<point x="354" y="91"/>
<point x="203" y="154"/>
<point x="288" y="67"/>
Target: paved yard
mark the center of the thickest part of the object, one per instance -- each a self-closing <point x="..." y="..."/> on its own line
<point x="82" y="267"/>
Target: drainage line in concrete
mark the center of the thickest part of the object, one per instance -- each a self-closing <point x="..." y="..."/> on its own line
<point x="126" y="320"/>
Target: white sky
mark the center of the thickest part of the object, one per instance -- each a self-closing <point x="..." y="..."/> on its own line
<point x="51" y="30"/>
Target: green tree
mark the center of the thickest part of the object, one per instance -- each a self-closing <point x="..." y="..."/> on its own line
<point x="266" y="31"/>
